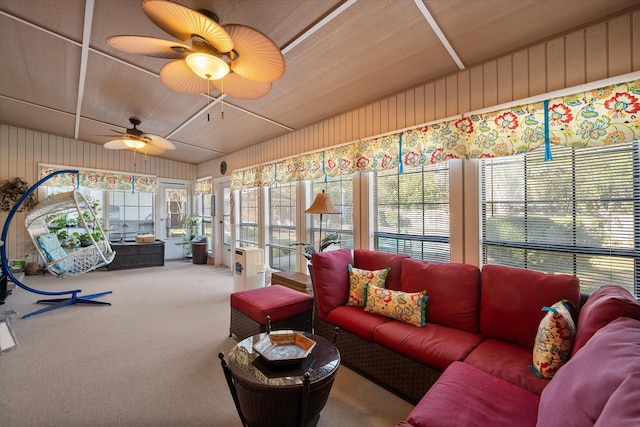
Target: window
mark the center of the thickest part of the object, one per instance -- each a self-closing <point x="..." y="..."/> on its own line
<point x="340" y="189"/>
<point x="282" y="226"/>
<point x="203" y="212"/>
<point x="248" y="221"/>
<point x="226" y="215"/>
<point x="130" y="214"/>
<point x="411" y="212"/>
<point x="576" y="214"/>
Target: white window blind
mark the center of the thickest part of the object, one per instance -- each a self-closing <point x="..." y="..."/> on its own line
<point x="576" y="214"/>
<point x="340" y="189"/>
<point x="248" y="224"/>
<point x="282" y="226"/>
<point x="411" y="212"/>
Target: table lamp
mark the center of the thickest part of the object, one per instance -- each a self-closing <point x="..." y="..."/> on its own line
<point x="322" y="205"/>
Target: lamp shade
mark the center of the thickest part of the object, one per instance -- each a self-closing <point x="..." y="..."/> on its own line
<point x="207" y="66"/>
<point x="322" y="205"/>
<point x="134" y="143"/>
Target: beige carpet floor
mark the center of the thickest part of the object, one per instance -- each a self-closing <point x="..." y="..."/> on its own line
<point x="149" y="359"/>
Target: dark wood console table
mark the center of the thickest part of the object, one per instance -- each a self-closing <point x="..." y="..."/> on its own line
<point x="137" y="255"/>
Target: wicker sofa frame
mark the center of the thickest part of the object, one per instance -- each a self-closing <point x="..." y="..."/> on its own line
<point x="402" y="376"/>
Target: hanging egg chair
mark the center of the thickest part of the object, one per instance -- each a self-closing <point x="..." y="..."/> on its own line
<point x="58" y="260"/>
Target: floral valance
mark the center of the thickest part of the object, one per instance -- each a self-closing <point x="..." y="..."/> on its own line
<point x="603" y="116"/>
<point x="102" y="180"/>
<point x="203" y="186"/>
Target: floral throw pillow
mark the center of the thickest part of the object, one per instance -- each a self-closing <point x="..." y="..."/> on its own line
<point x="554" y="340"/>
<point x="403" y="306"/>
<point x="358" y="278"/>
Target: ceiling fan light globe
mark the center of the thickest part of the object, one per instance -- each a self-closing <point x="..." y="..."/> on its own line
<point x="134" y="143"/>
<point x="207" y="66"/>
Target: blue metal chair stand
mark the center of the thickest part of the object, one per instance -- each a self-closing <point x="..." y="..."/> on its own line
<point x="68" y="298"/>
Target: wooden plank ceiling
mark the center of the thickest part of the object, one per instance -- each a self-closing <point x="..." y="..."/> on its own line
<point x="58" y="74"/>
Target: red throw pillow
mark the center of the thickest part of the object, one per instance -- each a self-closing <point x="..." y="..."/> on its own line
<point x="586" y="387"/>
<point x="453" y="289"/>
<point x="373" y="260"/>
<point x="331" y="278"/>
<point x="511" y="299"/>
<point x="606" y="304"/>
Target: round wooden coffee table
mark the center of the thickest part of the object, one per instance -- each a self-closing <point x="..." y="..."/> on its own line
<point x="281" y="394"/>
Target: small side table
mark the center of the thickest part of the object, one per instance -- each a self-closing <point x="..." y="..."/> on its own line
<point x="294" y="280"/>
<point x="268" y="395"/>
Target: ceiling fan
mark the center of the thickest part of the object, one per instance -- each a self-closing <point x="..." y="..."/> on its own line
<point x="135" y="139"/>
<point x="238" y="60"/>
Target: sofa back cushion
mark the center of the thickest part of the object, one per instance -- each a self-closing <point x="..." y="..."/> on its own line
<point x="331" y="278"/>
<point x="586" y="388"/>
<point x="372" y="260"/>
<point x="603" y="306"/>
<point x="453" y="291"/>
<point x="512" y="299"/>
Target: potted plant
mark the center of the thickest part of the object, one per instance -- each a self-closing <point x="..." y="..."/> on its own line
<point x="309" y="249"/>
<point x="10" y="192"/>
<point x="189" y="231"/>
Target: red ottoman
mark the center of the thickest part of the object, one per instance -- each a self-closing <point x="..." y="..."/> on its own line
<point x="287" y="308"/>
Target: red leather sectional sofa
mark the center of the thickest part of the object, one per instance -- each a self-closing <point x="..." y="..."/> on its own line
<point x="469" y="364"/>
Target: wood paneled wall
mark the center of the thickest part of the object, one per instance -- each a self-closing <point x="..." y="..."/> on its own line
<point x="21" y="151"/>
<point x="604" y="50"/>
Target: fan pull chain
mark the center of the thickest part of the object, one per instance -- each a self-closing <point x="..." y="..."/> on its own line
<point x="208" y="98"/>
<point x="222" y="100"/>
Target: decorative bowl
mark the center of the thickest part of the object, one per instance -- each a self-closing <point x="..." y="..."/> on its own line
<point x="282" y="347"/>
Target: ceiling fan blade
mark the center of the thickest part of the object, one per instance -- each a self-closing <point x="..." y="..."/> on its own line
<point x="178" y="76"/>
<point x="152" y="150"/>
<point x="116" y="144"/>
<point x="238" y="87"/>
<point x="149" y="46"/>
<point x="159" y="142"/>
<point x="259" y="58"/>
<point x="182" y="22"/>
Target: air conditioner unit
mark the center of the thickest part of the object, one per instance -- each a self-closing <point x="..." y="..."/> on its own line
<point x="248" y="269"/>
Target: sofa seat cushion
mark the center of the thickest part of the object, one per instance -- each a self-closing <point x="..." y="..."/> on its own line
<point x="453" y="291"/>
<point x="581" y="391"/>
<point x="434" y="345"/>
<point x="606" y="304"/>
<point x="356" y="320"/>
<point x="331" y="278"/>
<point x="467" y="396"/>
<point x="373" y="260"/>
<point x="507" y="361"/>
<point x="512" y="299"/>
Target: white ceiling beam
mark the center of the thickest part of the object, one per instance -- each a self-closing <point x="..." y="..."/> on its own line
<point x="436" y="29"/>
<point x="84" y="57"/>
<point x="324" y="21"/>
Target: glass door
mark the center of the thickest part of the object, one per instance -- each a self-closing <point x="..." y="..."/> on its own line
<point x="176" y="225"/>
